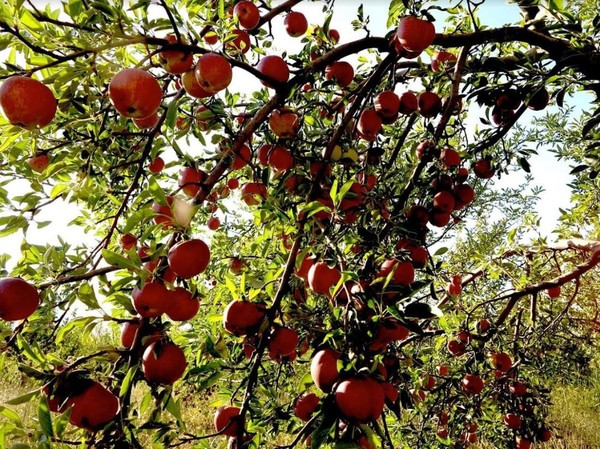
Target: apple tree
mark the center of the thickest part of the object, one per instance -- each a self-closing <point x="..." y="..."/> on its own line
<point x="296" y="225"/>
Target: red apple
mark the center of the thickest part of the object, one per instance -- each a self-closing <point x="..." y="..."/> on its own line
<point x="18" y="299"/>
<point x="274" y="68"/>
<point x="176" y="61"/>
<point x="163" y="363"/>
<point x="28" y="102"/>
<point x="135" y="93"/>
<point x="284" y="123"/>
<point x="341" y="72"/>
<point x="429" y="104"/>
<point x="189" y="258"/>
<point x="247" y="14"/>
<point x="213" y="72"/>
<point x="415" y="34"/>
<point x="442" y="60"/>
<point x="295" y="24"/>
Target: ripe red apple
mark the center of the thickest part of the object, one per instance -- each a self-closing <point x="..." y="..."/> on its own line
<point x="275" y="69"/>
<point x="341" y="72"/>
<point x="190" y="179"/>
<point x="27" y="102"/>
<point x="438" y="218"/>
<point x="456" y="347"/>
<point x="183" y="305"/>
<point x="39" y="162"/>
<point x="387" y="104"/>
<point x="429" y="104"/>
<point x="539" y="99"/>
<point x="369" y="124"/>
<point x="151" y="300"/>
<point x="509" y="100"/>
<point x="483" y="169"/>
<point x="157" y="165"/>
<point x="247" y="14"/>
<point x="324" y="370"/>
<point x="444" y="201"/>
<point x="164" y="213"/>
<point x="523" y="443"/>
<point x="213" y="223"/>
<point x="189" y="258"/>
<point x="472" y="384"/>
<point x="147" y="122"/>
<point x="400" y="272"/>
<point x="242" y="158"/>
<point x="408" y="103"/>
<point x="233" y="183"/>
<point x="18" y="299"/>
<point x="415" y="34"/>
<point x="464" y="195"/>
<point x="176" y="61"/>
<point x="213" y="72"/>
<point x="135" y="93"/>
<point x="280" y="158"/>
<point x="512" y="421"/>
<point x="95" y="407"/>
<point x="227" y="421"/>
<point x="418" y="215"/>
<point x="321" y="278"/>
<point x="305" y="405"/>
<point x="553" y="292"/>
<point x="243" y="317"/>
<point x="253" y="193"/>
<point x="163" y="363"/>
<point x="295" y="24"/>
<point x="282" y="343"/>
<point x="334" y="35"/>
<point x="450" y="157"/>
<point x="192" y="86"/>
<point x="284" y="123"/>
<point x="361" y="400"/>
<point x="240" y="42"/>
<point x="518" y="388"/>
<point x="442" y="60"/>
<point x="211" y="38"/>
<point x="501" y="361"/>
<point x="128" y="241"/>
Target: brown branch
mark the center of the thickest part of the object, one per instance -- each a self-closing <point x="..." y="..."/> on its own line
<point x="458" y="71"/>
<point x="556" y="282"/>
<point x="276" y="11"/>
<point x="79" y="277"/>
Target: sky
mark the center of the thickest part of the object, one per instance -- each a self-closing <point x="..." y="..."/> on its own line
<point x="548" y="173"/>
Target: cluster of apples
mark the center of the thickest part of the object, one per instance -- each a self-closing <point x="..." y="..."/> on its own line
<point x="91" y="404"/>
<point x="502" y="384"/>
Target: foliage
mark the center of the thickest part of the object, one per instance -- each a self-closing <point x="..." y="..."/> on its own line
<point x="355" y="197"/>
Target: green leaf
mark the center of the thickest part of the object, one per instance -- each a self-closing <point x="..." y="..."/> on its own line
<point x="77" y="325"/>
<point x="174" y="409"/>
<point x="555" y="5"/>
<point x="118" y="260"/>
<point x="86" y="294"/>
<point x="23" y="398"/>
<point x="156" y="191"/>
<point x="44" y="418"/>
<point x="128" y="380"/>
<point x="11" y="415"/>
